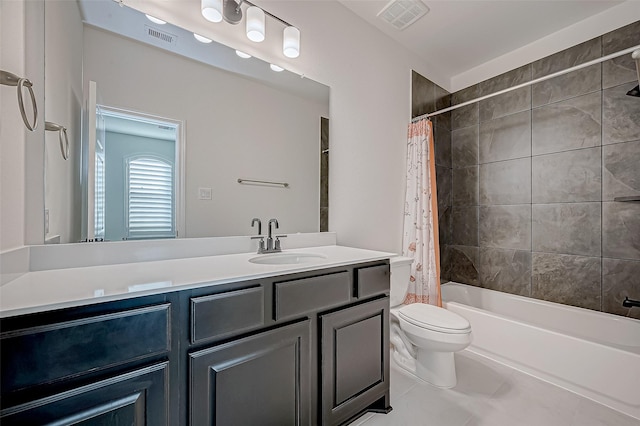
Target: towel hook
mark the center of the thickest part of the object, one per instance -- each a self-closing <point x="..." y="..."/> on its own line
<point x="9" y="79"/>
<point x="64" y="147"/>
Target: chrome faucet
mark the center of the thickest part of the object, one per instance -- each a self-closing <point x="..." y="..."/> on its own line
<point x="273" y="246"/>
<point x="270" y="246"/>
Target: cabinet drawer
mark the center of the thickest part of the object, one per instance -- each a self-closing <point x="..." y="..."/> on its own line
<point x="372" y="280"/>
<point x="297" y="297"/>
<point x="134" y="398"/>
<point x="223" y="314"/>
<point x="44" y="354"/>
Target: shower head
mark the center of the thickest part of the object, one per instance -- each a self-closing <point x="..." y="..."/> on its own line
<point x="636" y="90"/>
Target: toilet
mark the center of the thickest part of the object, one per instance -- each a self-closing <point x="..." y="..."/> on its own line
<point x="424" y="337"/>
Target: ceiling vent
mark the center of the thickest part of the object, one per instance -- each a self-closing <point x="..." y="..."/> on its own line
<point x="161" y="36"/>
<point x="402" y="13"/>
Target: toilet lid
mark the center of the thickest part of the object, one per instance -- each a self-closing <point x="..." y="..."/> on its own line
<point x="434" y="318"/>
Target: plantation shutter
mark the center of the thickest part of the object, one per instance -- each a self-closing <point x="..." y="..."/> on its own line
<point x="150" y="212"/>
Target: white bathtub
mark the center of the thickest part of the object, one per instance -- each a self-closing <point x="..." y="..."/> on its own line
<point x="593" y="354"/>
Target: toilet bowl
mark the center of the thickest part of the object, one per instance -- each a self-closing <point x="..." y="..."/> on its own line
<point x="424" y="337"/>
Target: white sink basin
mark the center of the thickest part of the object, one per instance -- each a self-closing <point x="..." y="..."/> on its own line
<point x="287" y="258"/>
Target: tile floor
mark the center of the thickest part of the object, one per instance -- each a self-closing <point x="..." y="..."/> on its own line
<point x="489" y="394"/>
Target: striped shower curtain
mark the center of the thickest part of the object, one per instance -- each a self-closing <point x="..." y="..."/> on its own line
<point x="420" y="237"/>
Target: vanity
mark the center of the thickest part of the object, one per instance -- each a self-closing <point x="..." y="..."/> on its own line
<point x="255" y="344"/>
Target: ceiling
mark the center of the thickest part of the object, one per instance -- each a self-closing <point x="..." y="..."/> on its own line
<point x="455" y="35"/>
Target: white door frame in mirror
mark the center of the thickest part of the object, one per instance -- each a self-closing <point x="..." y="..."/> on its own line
<point x="180" y="158"/>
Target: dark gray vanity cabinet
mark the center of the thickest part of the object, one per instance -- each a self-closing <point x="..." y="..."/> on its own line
<point x="262" y="379"/>
<point x="296" y="349"/>
<point x="354" y="348"/>
<point x="103" y="364"/>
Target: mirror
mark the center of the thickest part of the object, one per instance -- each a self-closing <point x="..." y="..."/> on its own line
<point x="225" y="122"/>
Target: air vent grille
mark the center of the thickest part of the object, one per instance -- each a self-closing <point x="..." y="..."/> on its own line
<point x="402" y="13"/>
<point x="161" y="36"/>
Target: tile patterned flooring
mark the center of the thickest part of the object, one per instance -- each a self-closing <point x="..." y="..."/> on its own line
<point x="489" y="394"/>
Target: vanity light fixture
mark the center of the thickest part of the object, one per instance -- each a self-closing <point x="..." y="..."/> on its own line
<point x="255" y="24"/>
<point x="231" y="12"/>
<point x="276" y="68"/>
<point x="242" y="54"/>
<point x="155" y="20"/>
<point x="202" y="39"/>
<point x="291" y="42"/>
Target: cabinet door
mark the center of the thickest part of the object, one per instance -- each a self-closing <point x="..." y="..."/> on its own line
<point x="257" y="380"/>
<point x="355" y="361"/>
<point x="136" y="398"/>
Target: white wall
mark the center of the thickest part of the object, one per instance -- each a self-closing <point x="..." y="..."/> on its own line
<point x="12" y="138"/>
<point x="235" y="128"/>
<point x="63" y="105"/>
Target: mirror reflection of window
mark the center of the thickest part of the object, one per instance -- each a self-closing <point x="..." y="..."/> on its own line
<point x="149" y="204"/>
<point x="140" y="177"/>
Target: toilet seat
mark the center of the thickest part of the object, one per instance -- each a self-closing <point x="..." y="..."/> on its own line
<point x="434" y="318"/>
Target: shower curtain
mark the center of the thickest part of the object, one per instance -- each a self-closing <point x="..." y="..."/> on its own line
<point x="420" y="237"/>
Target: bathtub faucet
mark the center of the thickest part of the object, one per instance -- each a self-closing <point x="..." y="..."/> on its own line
<point x="629" y="303"/>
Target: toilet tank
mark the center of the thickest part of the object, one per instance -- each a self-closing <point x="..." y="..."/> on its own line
<point x="400" y="274"/>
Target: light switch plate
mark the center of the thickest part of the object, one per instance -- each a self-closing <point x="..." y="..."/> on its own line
<point x="204" y="193"/>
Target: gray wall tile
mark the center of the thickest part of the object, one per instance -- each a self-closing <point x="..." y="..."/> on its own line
<point x="465" y="94"/>
<point x="443" y="186"/>
<point x="572" y="84"/>
<point x="576" y="55"/>
<point x="506" y="182"/>
<point x="461" y="264"/>
<point x="567" y="86"/>
<point x="423" y="95"/>
<point x="574" y="123"/>
<point x="505" y="227"/>
<point x="620" y="115"/>
<point x="464" y="116"/>
<point x="504" y="81"/>
<point x="464" y="147"/>
<point x="570" y="176"/>
<point x="324" y="219"/>
<point x="465" y="186"/>
<point x="621" y="69"/>
<point x="570" y="228"/>
<point x="505" y="104"/>
<point x="444" y="226"/>
<point x="464" y="223"/>
<point x="620" y="278"/>
<point x="442" y="144"/>
<point x="505" y="138"/>
<point x="443" y="100"/>
<point x="506" y="270"/>
<point x="621" y="230"/>
<point x="620" y="170"/>
<point x="572" y="280"/>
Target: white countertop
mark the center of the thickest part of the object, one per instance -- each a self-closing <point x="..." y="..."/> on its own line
<point x="60" y="288"/>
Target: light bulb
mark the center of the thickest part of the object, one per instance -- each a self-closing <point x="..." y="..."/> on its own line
<point x="242" y="54"/>
<point x="276" y="68"/>
<point x="291" y="42"/>
<point x="255" y="24"/>
<point x="212" y="10"/>
<point x="155" y="20"/>
<point x="202" y="39"/>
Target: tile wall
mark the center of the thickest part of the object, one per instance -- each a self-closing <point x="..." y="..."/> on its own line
<point x="528" y="192"/>
<point x="324" y="174"/>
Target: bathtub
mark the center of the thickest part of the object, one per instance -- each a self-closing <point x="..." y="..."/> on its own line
<point x="593" y="354"/>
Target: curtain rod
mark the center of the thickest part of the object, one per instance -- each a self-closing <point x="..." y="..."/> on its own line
<point x="529" y="83"/>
